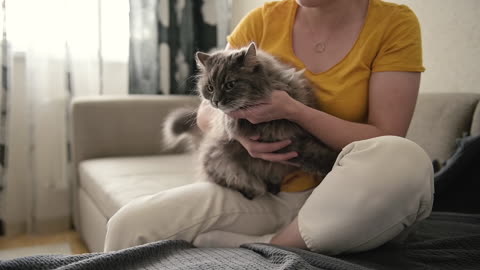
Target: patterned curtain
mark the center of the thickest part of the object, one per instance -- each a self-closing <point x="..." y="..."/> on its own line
<point x="165" y="34"/>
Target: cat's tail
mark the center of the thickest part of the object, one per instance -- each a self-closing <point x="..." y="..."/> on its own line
<point x="180" y="130"/>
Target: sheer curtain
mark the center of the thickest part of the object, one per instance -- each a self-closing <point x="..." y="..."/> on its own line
<point x="58" y="51"/>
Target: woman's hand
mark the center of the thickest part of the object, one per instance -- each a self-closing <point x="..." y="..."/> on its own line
<point x="255" y="148"/>
<point x="204" y="115"/>
<point x="278" y="106"/>
<point x="266" y="151"/>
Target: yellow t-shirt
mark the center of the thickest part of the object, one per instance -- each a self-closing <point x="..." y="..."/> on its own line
<point x="390" y="40"/>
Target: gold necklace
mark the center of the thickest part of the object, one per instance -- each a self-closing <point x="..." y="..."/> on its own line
<point x="318" y="46"/>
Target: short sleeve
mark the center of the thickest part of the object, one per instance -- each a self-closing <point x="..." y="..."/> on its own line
<point x="249" y="29"/>
<point x="401" y="48"/>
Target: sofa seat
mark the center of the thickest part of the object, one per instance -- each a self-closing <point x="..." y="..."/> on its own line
<point x="115" y="181"/>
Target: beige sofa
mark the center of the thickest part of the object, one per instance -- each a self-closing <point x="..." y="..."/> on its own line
<point x="118" y="155"/>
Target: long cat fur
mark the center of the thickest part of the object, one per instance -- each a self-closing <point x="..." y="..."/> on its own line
<point x="223" y="160"/>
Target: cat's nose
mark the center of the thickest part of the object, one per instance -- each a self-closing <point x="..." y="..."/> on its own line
<point x="215" y="102"/>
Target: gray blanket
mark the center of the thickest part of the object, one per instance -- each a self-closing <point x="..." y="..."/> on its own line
<point x="444" y="241"/>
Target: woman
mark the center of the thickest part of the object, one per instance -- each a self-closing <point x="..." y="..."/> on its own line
<point x="364" y="57"/>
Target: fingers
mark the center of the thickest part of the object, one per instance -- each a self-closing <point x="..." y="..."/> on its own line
<point x="255" y="138"/>
<point x="240" y="114"/>
<point x="260" y="147"/>
<point x="277" y="157"/>
<point x="256" y="114"/>
<point x="243" y="114"/>
<point x="266" y="150"/>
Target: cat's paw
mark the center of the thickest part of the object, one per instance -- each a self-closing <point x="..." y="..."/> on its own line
<point x="247" y="194"/>
<point x="273" y="188"/>
<point x="251" y="193"/>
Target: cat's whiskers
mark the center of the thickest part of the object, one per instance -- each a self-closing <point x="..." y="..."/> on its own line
<point x="193" y="79"/>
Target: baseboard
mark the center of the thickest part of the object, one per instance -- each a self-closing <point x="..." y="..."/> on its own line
<point x="44" y="226"/>
<point x="13" y="229"/>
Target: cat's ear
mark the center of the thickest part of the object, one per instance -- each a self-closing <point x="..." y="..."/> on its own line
<point x="300" y="72"/>
<point x="201" y="59"/>
<point x="293" y="74"/>
<point x="251" y="55"/>
<point x="290" y="74"/>
<point x="252" y="49"/>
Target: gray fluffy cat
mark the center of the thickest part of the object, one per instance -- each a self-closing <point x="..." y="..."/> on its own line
<point x="236" y="79"/>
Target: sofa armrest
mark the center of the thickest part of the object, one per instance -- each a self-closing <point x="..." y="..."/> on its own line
<point x="106" y="126"/>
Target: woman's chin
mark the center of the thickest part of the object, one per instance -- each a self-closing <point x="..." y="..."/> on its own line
<point x="312" y="3"/>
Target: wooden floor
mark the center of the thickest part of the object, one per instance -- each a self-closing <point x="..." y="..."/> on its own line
<point x="73" y="238"/>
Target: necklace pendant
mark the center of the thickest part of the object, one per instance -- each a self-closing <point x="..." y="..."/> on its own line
<point x="320" y="47"/>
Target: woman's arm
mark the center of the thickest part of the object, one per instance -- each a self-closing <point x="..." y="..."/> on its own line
<point x="392" y="99"/>
<point x="391" y="103"/>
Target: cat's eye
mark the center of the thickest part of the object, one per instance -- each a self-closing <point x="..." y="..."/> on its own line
<point x="229" y="85"/>
<point x="210" y="89"/>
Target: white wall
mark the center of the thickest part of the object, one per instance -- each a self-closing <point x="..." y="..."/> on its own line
<point x="451" y="41"/>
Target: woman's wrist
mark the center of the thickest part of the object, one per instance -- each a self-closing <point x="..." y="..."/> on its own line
<point x="297" y="112"/>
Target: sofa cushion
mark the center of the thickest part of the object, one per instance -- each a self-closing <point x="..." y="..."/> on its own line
<point x="439" y="120"/>
<point x="113" y="182"/>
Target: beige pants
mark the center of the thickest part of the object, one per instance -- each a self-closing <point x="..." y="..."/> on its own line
<point x="376" y="189"/>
